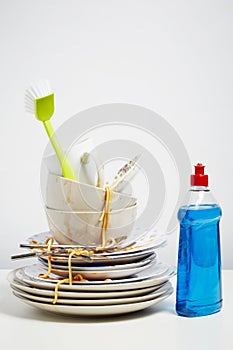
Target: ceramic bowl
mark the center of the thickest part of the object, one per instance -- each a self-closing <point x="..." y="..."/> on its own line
<point x="84" y="227"/>
<point x="68" y="195"/>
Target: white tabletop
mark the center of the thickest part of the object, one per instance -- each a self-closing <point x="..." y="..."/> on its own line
<point x="157" y="327"/>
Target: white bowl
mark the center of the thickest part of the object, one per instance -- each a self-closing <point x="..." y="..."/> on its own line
<point x="84" y="228"/>
<point x="69" y="195"/>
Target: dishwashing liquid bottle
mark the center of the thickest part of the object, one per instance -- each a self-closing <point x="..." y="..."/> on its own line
<point x="198" y="291"/>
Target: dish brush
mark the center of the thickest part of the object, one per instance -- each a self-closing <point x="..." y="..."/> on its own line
<point x="39" y="100"/>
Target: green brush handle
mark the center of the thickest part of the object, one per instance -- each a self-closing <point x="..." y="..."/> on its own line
<point x="65" y="165"/>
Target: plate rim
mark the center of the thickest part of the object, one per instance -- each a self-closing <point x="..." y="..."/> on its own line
<point x="66" y="293"/>
<point x="142" y="262"/>
<point x="161" y="241"/>
<point x="95" y="310"/>
<point x="129" y="279"/>
<point x="102" y="301"/>
<point x="143" y="283"/>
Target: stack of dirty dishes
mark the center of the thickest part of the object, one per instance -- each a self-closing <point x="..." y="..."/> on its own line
<point x="94" y="260"/>
<point x="110" y="282"/>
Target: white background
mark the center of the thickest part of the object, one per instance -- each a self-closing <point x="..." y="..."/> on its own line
<point x="174" y="57"/>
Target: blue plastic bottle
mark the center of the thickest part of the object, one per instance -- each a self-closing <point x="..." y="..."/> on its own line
<point x="199" y="291"/>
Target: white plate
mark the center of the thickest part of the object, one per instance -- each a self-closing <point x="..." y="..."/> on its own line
<point x="34" y="271"/>
<point x="149" y="242"/>
<point x="116" y="301"/>
<point x="93" y="267"/>
<point x="102" y="260"/>
<point x="144" y="279"/>
<point x="100" y="310"/>
<point x="95" y="275"/>
<point x="78" y="294"/>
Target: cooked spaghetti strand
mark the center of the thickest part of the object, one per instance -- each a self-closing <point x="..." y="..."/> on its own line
<point x="105" y="215"/>
<point x="48" y="241"/>
<point x="65" y="280"/>
<point x="70" y="265"/>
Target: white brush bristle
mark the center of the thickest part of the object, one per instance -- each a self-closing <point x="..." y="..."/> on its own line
<point x="39" y="89"/>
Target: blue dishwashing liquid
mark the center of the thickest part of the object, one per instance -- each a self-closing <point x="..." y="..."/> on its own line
<point x="198" y="291"/>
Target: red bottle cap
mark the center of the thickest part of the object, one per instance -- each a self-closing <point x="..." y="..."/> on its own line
<point x="199" y="178"/>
